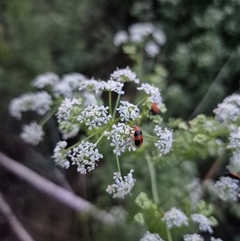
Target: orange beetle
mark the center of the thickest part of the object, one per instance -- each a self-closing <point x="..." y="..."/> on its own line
<point x="154" y="109"/>
<point x="138" y="137"/>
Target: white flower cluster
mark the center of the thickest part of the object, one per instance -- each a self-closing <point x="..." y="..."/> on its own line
<point x="140" y="32"/>
<point x="94" y="116"/>
<point x="174" y="218"/>
<point x="215" y="239"/>
<point x="193" y="237"/>
<point x="46" y="79"/>
<point x="229" y="110"/>
<point x="60" y="154"/>
<point x="98" y="86"/>
<point x="39" y="102"/>
<point x="128" y="111"/>
<point x="151" y="237"/>
<point x="121" y="137"/>
<point x="122" y="185"/>
<point x="124" y="75"/>
<point x="85" y="156"/>
<point x="32" y="133"/>
<point x="60" y="87"/>
<point x="164" y="143"/>
<point x="234" y="165"/>
<point x="67" y="115"/>
<point x="68" y="85"/>
<point x="203" y="222"/>
<point x="65" y="109"/>
<point x="227" y="188"/>
<point x="155" y="96"/>
<point x="234" y="139"/>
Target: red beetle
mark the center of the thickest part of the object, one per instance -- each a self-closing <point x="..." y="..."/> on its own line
<point x="154" y="109"/>
<point x="138" y="137"/>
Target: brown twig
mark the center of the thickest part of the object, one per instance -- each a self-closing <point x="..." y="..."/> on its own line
<point x="62" y="195"/>
<point x="15" y="224"/>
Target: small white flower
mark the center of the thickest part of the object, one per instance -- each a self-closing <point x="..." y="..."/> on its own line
<point x="94" y="116"/>
<point x="151" y="237"/>
<point x="45" y="79"/>
<point x="152" y="49"/>
<point x="193" y="237"/>
<point x="234" y="139"/>
<point x="228" y="110"/>
<point x="227" y="188"/>
<point x="120" y="37"/>
<point x="128" y="111"/>
<point x="39" y="102"/>
<point x="216" y="239"/>
<point x="155" y="96"/>
<point x="122" y="185"/>
<point x="234" y="165"/>
<point x="121" y="137"/>
<point x="203" y="222"/>
<point x="32" y="133"/>
<point x="85" y="156"/>
<point x="164" y="143"/>
<point x="114" y="86"/>
<point x="174" y="218"/>
<point x="60" y="155"/>
<point x="124" y="75"/>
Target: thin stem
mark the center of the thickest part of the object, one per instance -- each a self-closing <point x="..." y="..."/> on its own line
<point x="116" y="105"/>
<point x="141" y="101"/>
<point x="48" y="116"/>
<point x="169" y="235"/>
<point x="99" y="139"/>
<point x="60" y="194"/>
<point x="118" y="165"/>
<point x="110" y="101"/>
<point x="153" y="179"/>
<point x="149" y="136"/>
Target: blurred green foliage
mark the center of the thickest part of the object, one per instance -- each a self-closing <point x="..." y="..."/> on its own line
<point x="76" y="36"/>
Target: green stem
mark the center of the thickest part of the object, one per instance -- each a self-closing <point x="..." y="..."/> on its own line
<point x="116" y="105"/>
<point x="149" y="136"/>
<point x="110" y="101"/>
<point x="141" y="101"/>
<point x="153" y="179"/>
<point x="99" y="139"/>
<point x="169" y="235"/>
<point x="76" y="144"/>
<point x="118" y="165"/>
<point x="48" y="116"/>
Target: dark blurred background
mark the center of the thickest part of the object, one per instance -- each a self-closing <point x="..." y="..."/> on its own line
<point x="202" y="49"/>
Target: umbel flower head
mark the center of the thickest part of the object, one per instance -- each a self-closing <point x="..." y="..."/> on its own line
<point x="32" y="133"/>
<point x="85" y="156"/>
<point x="151" y="237"/>
<point x="94" y="116"/>
<point x="121" y="137"/>
<point x="193" y="237"/>
<point x="39" y="102"/>
<point x="164" y="143"/>
<point x="122" y="185"/>
<point x="227" y="188"/>
<point x="174" y="218"/>
<point x="203" y="222"/>
<point x="124" y="75"/>
<point x="128" y="111"/>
